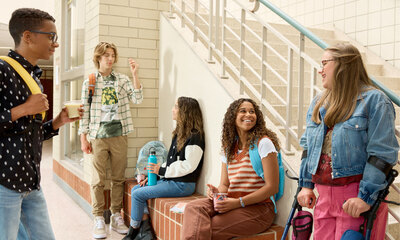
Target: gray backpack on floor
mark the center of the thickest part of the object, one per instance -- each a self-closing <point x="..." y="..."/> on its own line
<point x="161" y="154"/>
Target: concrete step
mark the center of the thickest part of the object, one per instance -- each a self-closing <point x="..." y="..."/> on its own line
<point x="389" y="82"/>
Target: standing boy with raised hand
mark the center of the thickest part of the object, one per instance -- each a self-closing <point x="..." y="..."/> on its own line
<point x="104" y="129"/>
<point x="22" y="132"/>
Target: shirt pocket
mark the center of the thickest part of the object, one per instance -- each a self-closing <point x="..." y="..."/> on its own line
<point x="355" y="133"/>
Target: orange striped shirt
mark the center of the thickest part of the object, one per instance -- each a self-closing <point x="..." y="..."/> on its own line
<point x="243" y="180"/>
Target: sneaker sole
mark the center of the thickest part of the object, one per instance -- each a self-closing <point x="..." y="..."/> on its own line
<point x="120" y="231"/>
<point x="100" y="236"/>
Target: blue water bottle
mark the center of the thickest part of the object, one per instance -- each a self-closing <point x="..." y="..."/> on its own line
<point x="152" y="159"/>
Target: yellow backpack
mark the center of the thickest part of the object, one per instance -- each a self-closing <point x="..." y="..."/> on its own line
<point x="32" y="84"/>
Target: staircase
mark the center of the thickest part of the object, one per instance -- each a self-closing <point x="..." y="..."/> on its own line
<point x="275" y="65"/>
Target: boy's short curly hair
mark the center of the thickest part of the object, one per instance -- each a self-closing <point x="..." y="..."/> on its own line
<point x="25" y="19"/>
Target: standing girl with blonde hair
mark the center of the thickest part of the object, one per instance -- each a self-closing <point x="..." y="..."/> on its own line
<point x="349" y="126"/>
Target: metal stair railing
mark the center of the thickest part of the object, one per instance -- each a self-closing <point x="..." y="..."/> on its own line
<point x="218" y="47"/>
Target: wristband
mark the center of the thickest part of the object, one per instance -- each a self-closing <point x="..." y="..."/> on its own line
<point x="241" y="202"/>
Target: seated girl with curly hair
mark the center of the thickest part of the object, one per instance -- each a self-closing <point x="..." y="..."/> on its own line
<point x="248" y="208"/>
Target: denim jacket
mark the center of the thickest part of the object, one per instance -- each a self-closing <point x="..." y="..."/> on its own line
<point x="370" y="131"/>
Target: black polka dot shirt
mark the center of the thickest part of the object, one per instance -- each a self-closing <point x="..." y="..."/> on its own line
<point x="21" y="140"/>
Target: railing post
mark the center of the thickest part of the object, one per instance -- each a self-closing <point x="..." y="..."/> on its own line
<point x="313" y="82"/>
<point x="242" y="49"/>
<point x="171" y="10"/>
<point x="182" y="13"/>
<point x="301" y="87"/>
<point x="263" y="67"/>
<point x="195" y="20"/>
<point x="217" y="25"/>
<point x="289" y="99"/>
<point x="210" y="32"/>
<point x="223" y="65"/>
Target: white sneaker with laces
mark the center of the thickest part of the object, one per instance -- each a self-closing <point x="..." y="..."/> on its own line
<point x="99" y="229"/>
<point x="117" y="224"/>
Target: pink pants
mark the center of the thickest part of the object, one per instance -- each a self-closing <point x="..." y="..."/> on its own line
<point x="330" y="219"/>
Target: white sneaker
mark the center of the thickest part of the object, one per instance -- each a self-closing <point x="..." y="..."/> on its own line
<point x="99" y="229"/>
<point x="118" y="224"/>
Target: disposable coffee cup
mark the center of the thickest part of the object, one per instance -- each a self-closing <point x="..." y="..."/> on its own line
<point x="73" y="107"/>
<point x="219" y="197"/>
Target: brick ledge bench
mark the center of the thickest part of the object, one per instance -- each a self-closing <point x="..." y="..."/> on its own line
<point x="167" y="225"/>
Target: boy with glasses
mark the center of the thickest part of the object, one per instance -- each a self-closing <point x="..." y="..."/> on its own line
<point x="23" y="210"/>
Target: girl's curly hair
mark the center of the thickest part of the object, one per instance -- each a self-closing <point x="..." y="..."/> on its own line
<point x="189" y="120"/>
<point x="229" y="132"/>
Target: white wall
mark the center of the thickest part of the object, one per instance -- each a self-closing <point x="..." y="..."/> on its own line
<point x="183" y="73"/>
<point x="373" y="23"/>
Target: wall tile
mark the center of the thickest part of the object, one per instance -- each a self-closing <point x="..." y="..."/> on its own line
<point x="338" y="12"/>
<point x="362" y="37"/>
<point x="388" y="17"/>
<point x="397" y="50"/>
<point x="328" y="15"/>
<point x="374" y="20"/>
<point x="387" y="34"/>
<point x="361" y="7"/>
<point x="374" y="5"/>
<point x="361" y="23"/>
<point x="350" y="25"/>
<point x="387" y="51"/>
<point x="350" y="9"/>
<point x="374" y="37"/>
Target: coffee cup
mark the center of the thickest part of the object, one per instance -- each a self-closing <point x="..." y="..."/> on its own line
<point x="73" y="108"/>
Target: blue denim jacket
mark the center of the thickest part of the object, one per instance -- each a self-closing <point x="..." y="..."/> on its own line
<point x="370" y="131"/>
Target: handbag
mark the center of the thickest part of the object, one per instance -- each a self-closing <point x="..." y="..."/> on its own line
<point x="302" y="225"/>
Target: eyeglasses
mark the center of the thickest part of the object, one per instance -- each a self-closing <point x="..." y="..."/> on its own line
<point x="53" y="37"/>
<point x="324" y="62"/>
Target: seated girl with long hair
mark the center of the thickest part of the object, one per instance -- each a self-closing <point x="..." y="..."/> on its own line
<point x="182" y="168"/>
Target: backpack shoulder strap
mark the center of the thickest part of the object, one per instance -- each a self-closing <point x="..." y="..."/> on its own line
<point x="91" y="86"/>
<point x="32" y="84"/>
<point x="256" y="160"/>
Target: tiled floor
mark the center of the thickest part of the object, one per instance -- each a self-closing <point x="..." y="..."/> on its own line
<point x="69" y="221"/>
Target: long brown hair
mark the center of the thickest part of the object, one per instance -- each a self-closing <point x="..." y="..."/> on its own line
<point x="229" y="132"/>
<point x="189" y="120"/>
<point x="350" y="80"/>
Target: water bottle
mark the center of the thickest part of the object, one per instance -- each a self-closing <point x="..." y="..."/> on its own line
<point x="152" y="176"/>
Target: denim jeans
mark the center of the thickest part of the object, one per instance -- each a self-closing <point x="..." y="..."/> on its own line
<point x="164" y="188"/>
<point x="24" y="216"/>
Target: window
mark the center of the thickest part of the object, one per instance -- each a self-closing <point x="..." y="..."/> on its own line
<point x="72" y="143"/>
<point x="74" y="33"/>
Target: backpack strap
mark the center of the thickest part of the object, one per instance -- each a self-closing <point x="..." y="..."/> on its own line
<point x="257" y="166"/>
<point x="32" y="84"/>
<point x="91" y="87"/>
